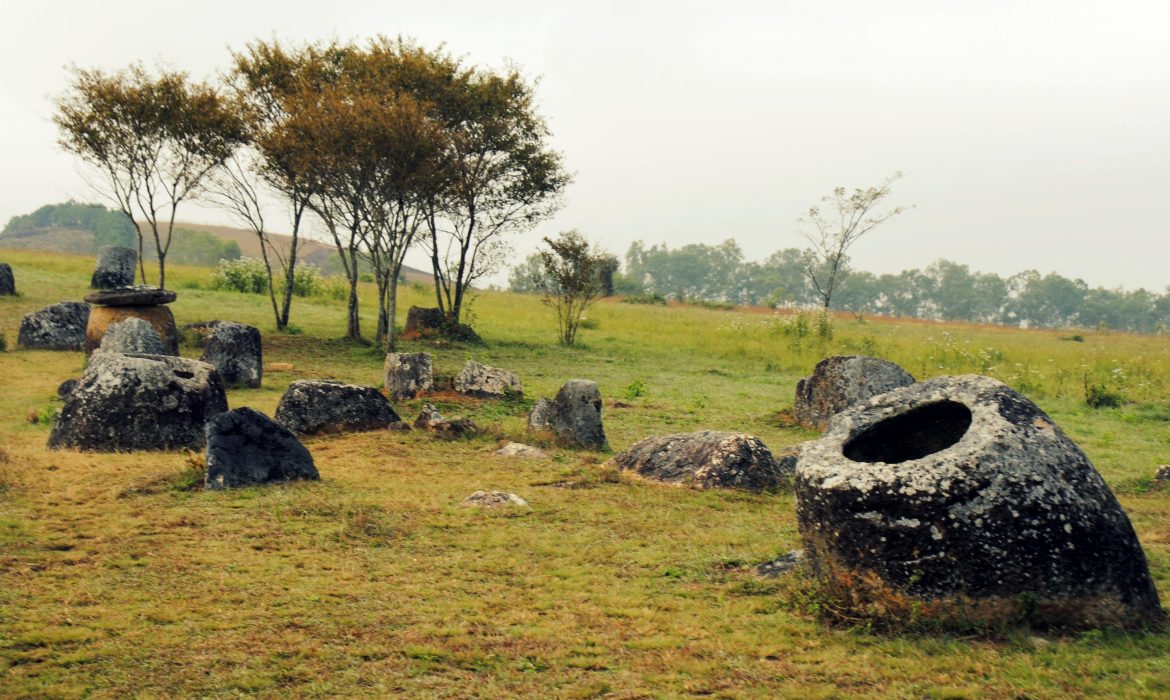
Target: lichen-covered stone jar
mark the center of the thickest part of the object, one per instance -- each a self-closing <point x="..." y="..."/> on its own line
<point x="958" y="501"/>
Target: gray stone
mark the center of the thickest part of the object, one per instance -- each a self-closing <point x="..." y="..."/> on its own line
<point x="493" y="499"/>
<point x="486" y="382"/>
<point x="57" y="327"/>
<point x="428" y="323"/>
<point x="841" y="381"/>
<point x="574" y="416"/>
<point x="1162" y="475"/>
<point x="7" y="280"/>
<point x="66" y="387"/>
<point x="115" y="268"/>
<point x="133" y="336"/>
<point x="422" y="321"/>
<point x="139" y="402"/>
<point x="705" y="459"/>
<point x="958" y="501"/>
<point x="542" y="415"/>
<point x="431" y="420"/>
<point x="407" y="374"/>
<point x="519" y="450"/>
<point x="783" y="564"/>
<point x="247" y="447"/>
<point x="236" y="351"/>
<point x="131" y="296"/>
<point x="309" y="407"/>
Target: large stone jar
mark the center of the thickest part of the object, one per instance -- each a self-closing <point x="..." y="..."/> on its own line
<point x="958" y="501"/>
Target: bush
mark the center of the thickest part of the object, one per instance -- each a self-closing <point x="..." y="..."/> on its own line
<point x="246" y="275"/>
<point x="635" y="389"/>
<point x="334" y="287"/>
<point x="307" y="281"/>
<point x="654" y="299"/>
<point x="1100" y="396"/>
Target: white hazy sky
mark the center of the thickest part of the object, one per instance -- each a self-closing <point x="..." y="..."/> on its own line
<point x="1035" y="134"/>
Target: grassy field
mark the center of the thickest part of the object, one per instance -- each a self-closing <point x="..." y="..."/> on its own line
<point x="117" y="580"/>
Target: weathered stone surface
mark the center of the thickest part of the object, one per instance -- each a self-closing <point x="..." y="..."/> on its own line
<point x="57" y="327"/>
<point x="236" y="351"/>
<point x="131" y="296"/>
<point x="247" y="447"/>
<point x="841" y="381"/>
<point x="7" y="280"/>
<point x="431" y="420"/>
<point x="115" y="268"/>
<point x="1162" y="474"/>
<point x="542" y="415"/>
<point x="486" y="382"/>
<point x="423" y="323"/>
<point x="705" y="459"/>
<point x="102" y="317"/>
<point x="519" y="450"/>
<point x="407" y="374"/>
<point x="420" y="321"/>
<point x="132" y="336"/>
<point x="199" y="333"/>
<point x="66" y="387"/>
<point x="139" y="402"/>
<point x="783" y="564"/>
<point x="957" y="500"/>
<point x="309" y="407"/>
<point x="493" y="499"/>
<point x="574" y="416"/>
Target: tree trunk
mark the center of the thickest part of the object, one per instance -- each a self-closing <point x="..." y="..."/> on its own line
<point x="290" y="273"/>
<point x="353" y="329"/>
<point x="271" y="280"/>
<point x="392" y="311"/>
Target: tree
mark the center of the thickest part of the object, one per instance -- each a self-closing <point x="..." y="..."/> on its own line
<point x="262" y="79"/>
<point x="529" y="276"/>
<point x="573" y="269"/>
<point x="152" y="139"/>
<point x="502" y="178"/>
<point x="831" y="230"/>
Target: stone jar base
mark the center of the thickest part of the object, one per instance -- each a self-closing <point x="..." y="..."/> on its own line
<point x="160" y="317"/>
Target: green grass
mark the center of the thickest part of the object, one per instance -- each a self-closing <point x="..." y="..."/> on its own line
<point x="117" y="579"/>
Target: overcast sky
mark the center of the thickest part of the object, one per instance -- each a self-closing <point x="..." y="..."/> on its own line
<point x="1033" y="134"/>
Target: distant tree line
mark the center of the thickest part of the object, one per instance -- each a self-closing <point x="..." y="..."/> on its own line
<point x="109" y="227"/>
<point x="944" y="290"/>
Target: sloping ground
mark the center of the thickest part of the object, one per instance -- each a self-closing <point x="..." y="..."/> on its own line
<point x="62" y="240"/>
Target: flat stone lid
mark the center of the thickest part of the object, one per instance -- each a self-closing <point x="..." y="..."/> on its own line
<point x="131" y="296"/>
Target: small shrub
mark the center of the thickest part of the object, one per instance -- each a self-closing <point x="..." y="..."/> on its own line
<point x="245" y="275"/>
<point x="336" y="288"/>
<point x="635" y="389"/>
<point x="824" y="327"/>
<point x="45" y="415"/>
<point x="307" y="281"/>
<point x="716" y="305"/>
<point x="655" y="299"/>
<point x="1100" y="396"/>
